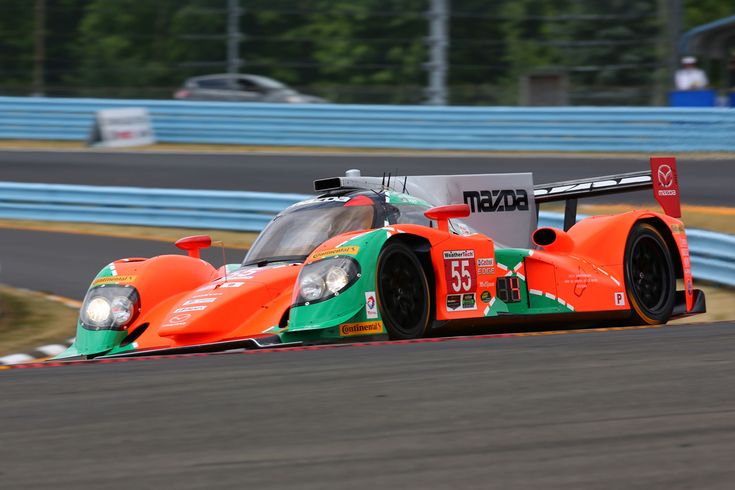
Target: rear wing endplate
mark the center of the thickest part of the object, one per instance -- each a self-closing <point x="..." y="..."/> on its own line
<point x="665" y="185"/>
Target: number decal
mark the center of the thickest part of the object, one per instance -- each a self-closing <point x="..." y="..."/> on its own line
<point x="508" y="289"/>
<point x="461" y="271"/>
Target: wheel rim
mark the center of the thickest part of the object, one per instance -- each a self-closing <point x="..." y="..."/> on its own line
<point x="402" y="293"/>
<point x="649" y="273"/>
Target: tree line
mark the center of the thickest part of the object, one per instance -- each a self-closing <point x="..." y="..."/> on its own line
<point x="610" y="51"/>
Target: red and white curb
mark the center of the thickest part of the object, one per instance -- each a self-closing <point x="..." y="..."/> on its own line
<point x="39" y="353"/>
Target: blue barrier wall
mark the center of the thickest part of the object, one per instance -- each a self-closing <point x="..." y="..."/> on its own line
<point x="713" y="254"/>
<point x="401" y="127"/>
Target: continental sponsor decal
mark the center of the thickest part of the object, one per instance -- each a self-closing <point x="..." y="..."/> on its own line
<point x="114" y="280"/>
<point x="350" y="250"/>
<point x="361" y="328"/>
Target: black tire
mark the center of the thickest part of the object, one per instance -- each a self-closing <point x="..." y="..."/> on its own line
<point x="404" y="297"/>
<point x="649" y="275"/>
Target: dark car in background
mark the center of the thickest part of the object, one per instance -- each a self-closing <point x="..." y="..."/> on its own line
<point x="242" y="88"/>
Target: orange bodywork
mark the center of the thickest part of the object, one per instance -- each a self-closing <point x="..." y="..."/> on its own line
<point x="186" y="301"/>
<point x="583" y="274"/>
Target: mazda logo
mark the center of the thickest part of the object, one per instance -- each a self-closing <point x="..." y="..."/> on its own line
<point x="665" y="176"/>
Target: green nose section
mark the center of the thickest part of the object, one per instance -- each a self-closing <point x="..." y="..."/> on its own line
<point x="93" y="342"/>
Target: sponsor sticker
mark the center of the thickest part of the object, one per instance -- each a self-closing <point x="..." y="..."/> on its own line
<point x="619" y="299"/>
<point x="468" y="302"/>
<point x="360" y="328"/>
<point x="190" y="308"/>
<point x="351" y="250"/>
<point x="232" y="284"/>
<point x="677" y="228"/>
<point x="490" y="201"/>
<point x="485" y="296"/>
<point x="208" y="287"/>
<point x="178" y="319"/>
<point x="114" y="280"/>
<point x="459" y="254"/>
<point x="199" y="301"/>
<point x="461" y="302"/>
<point x="486" y="262"/>
<point x="460" y="271"/>
<point x="371" y="305"/>
<point x="454" y="302"/>
<point x="206" y="295"/>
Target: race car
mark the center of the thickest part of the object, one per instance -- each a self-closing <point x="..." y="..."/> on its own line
<point x="403" y="258"/>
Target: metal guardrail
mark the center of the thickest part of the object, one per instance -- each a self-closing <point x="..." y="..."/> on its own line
<point x="185" y="208"/>
<point x="649" y="129"/>
<point x="713" y="254"/>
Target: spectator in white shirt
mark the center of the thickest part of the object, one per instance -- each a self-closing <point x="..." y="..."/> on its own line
<point x="689" y="77"/>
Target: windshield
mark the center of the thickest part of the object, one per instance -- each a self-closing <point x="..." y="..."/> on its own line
<point x="294" y="235"/>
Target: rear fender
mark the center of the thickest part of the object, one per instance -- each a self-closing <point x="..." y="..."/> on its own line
<point x="603" y="239"/>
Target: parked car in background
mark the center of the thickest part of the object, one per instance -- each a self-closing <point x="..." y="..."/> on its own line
<point x="242" y="88"/>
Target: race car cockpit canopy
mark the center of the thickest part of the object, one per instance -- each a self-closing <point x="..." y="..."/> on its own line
<point x="295" y="232"/>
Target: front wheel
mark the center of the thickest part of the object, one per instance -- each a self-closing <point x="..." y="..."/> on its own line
<point x="649" y="275"/>
<point x="403" y="292"/>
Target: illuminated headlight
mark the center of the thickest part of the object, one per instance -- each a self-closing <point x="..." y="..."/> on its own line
<point x="109" y="307"/>
<point x="98" y="310"/>
<point x="326" y="278"/>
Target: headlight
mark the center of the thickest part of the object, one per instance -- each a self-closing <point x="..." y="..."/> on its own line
<point x="122" y="310"/>
<point x="312" y="287"/>
<point x="109" y="307"/>
<point x="337" y="279"/>
<point x="326" y="278"/>
<point x="98" y="310"/>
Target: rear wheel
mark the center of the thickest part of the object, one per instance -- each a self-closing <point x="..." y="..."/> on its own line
<point x="403" y="292"/>
<point x="649" y="275"/>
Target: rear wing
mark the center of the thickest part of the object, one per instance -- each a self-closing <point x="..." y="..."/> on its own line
<point x="665" y="185"/>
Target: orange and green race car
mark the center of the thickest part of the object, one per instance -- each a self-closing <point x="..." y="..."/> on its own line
<point x="404" y="258"/>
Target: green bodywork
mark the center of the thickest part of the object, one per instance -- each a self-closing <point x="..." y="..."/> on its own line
<point x="96" y="342"/>
<point x="322" y="320"/>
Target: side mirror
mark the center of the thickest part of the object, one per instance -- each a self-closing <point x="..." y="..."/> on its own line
<point x="442" y="214"/>
<point x="192" y="244"/>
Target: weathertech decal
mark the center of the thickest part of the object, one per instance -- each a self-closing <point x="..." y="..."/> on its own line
<point x="114" y="280"/>
<point x="361" y="328"/>
<point x="459" y="254"/>
<point x="496" y="201"/>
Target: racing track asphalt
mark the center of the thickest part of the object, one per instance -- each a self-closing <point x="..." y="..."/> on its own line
<point x="643" y="409"/>
<point x="703" y="181"/>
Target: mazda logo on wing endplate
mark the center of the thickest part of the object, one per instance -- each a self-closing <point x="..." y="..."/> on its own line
<point x="665" y="176"/>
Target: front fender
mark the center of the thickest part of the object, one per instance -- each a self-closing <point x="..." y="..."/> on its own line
<point x="155" y="279"/>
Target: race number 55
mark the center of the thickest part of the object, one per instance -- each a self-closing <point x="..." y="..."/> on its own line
<point x="461" y="275"/>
